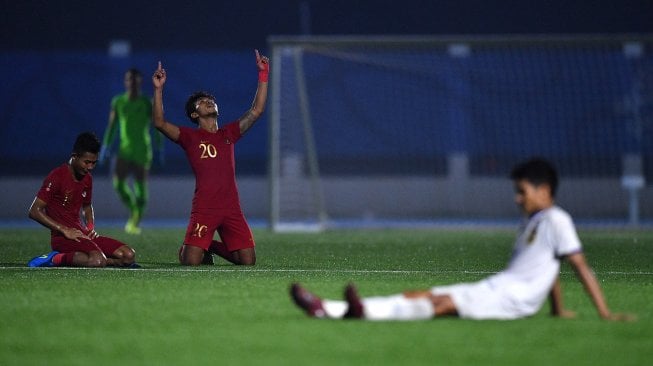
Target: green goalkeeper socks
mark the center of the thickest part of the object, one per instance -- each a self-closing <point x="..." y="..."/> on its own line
<point x="135" y="200"/>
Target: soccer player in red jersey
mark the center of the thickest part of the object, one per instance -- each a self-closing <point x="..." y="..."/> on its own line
<point x="66" y="192"/>
<point x="210" y="152"/>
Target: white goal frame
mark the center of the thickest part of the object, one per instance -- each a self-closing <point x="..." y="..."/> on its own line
<point x="283" y="47"/>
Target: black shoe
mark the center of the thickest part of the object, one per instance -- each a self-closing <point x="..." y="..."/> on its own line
<point x="355" y="310"/>
<point x="207" y="259"/>
<point x="310" y="303"/>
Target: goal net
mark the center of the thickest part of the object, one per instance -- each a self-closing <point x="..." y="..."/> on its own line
<point x="415" y="128"/>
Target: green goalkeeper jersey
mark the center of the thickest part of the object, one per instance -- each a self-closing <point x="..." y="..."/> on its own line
<point x="133" y="119"/>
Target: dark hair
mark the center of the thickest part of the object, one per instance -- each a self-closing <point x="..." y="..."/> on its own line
<point x="86" y="142"/>
<point x="135" y="72"/>
<point x="536" y="171"/>
<point x="190" y="103"/>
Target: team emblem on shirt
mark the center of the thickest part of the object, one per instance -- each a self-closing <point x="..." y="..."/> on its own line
<point x="66" y="197"/>
<point x="84" y="194"/>
<point x="531" y="236"/>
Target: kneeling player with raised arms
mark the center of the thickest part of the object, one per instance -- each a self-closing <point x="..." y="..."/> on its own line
<point x="210" y="152"/>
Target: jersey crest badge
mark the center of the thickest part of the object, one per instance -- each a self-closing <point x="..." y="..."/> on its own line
<point x="66" y="197"/>
<point x="532" y="235"/>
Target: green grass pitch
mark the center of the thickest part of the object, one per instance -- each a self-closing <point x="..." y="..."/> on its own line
<point x="165" y="314"/>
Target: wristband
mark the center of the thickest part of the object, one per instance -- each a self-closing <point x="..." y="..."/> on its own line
<point x="263" y="74"/>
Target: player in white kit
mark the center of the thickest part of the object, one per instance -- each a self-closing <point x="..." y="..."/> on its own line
<point x="546" y="237"/>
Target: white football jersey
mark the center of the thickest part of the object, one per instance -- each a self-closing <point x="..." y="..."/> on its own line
<point x="542" y="241"/>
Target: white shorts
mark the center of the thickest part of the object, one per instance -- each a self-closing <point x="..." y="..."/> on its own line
<point x="478" y="300"/>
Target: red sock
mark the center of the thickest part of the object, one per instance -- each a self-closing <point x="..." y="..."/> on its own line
<point x="63" y="259"/>
<point x="56" y="260"/>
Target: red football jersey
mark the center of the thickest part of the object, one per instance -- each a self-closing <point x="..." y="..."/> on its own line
<point x="65" y="197"/>
<point x="211" y="156"/>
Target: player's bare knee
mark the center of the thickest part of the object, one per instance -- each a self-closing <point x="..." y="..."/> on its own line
<point x="443" y="305"/>
<point x="247" y="261"/>
<point x="190" y="260"/>
<point x="96" y="262"/>
<point x="245" y="257"/>
<point x="128" y="255"/>
<point x="191" y="255"/>
<point x="412" y="294"/>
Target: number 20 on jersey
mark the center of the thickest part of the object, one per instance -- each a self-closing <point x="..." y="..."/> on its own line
<point x="208" y="150"/>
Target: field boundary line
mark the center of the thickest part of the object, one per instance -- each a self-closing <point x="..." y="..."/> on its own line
<point x="269" y="270"/>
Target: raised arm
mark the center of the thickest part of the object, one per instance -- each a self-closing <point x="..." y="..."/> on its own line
<point x="592" y="287"/>
<point x="170" y="130"/>
<point x="109" y="135"/>
<point x="246" y="121"/>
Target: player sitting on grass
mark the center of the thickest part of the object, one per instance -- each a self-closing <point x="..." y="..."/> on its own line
<point x="546" y="237"/>
<point x="65" y="192"/>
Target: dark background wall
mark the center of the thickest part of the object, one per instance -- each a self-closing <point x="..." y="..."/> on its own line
<point x="54" y="54"/>
<point x="58" y="78"/>
<point x="167" y="24"/>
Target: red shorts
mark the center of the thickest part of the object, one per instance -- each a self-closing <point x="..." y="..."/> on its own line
<point x="230" y="225"/>
<point x="102" y="243"/>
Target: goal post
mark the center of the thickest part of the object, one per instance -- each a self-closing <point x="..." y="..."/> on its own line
<point x="420" y="127"/>
<point x="297" y="201"/>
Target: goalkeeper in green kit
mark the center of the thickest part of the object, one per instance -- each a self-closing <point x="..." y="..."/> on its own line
<point x="131" y="115"/>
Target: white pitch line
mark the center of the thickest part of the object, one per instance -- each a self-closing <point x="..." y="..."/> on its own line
<point x="263" y="270"/>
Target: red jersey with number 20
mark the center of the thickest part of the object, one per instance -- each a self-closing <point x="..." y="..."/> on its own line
<point x="211" y="156"/>
<point x="65" y="197"/>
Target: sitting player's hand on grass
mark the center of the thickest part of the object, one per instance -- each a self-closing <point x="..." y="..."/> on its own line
<point x="619" y="317"/>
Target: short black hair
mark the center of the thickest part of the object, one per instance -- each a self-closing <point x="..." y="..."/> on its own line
<point x="536" y="171"/>
<point x="86" y="142"/>
<point x="135" y="72"/>
<point x="192" y="100"/>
